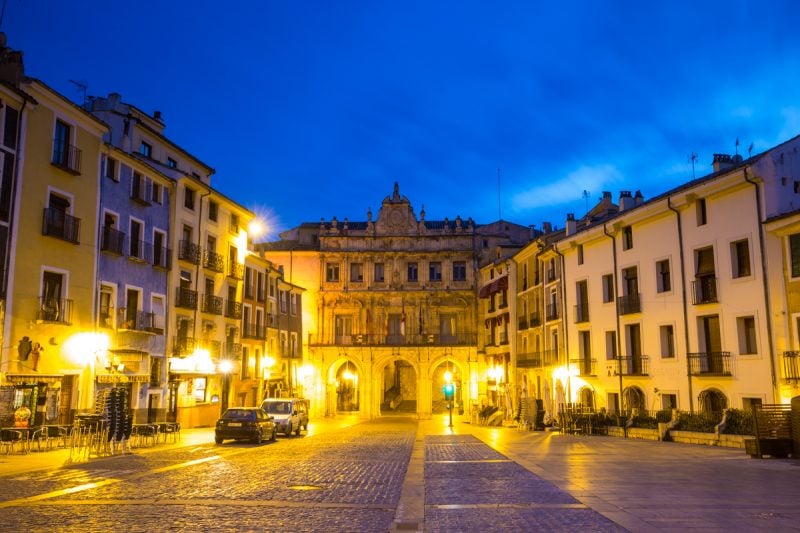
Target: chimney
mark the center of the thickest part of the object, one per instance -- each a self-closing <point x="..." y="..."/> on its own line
<point x="157" y="116"/>
<point x="547" y="227"/>
<point x="638" y="199"/>
<point x="114" y="99"/>
<point x="12" y="69"/>
<point x="722" y="162"/>
<point x="625" y="200"/>
<point x="571" y="225"/>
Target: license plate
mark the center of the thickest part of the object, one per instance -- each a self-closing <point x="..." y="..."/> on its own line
<point x="235" y="424"/>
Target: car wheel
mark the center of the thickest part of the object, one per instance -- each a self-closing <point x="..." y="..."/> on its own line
<point x="274" y="436"/>
<point x="257" y="439"/>
<point x="218" y="440"/>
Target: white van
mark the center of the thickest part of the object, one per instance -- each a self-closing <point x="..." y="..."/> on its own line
<point x="290" y="414"/>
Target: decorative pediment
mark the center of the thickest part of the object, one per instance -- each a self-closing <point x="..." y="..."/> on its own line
<point x="396" y="216"/>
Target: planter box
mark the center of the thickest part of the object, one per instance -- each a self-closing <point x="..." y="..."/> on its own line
<point x="634" y="433"/>
<point x="710" y="439"/>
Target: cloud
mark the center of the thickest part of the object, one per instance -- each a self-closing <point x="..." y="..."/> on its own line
<point x="568" y="189"/>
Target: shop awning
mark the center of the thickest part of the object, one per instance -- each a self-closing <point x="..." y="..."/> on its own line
<point x="500" y="284"/>
<point x="33" y="378"/>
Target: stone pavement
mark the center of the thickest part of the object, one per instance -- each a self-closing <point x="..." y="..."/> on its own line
<point x="406" y="475"/>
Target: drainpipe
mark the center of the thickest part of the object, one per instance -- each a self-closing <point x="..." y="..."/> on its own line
<point x="616" y="309"/>
<point x="684" y="302"/>
<point x="775" y="395"/>
<point x="564" y="321"/>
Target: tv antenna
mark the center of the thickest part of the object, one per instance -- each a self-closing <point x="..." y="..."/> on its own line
<point x="692" y="159"/>
<point x="585" y="195"/>
<point x="81" y="85"/>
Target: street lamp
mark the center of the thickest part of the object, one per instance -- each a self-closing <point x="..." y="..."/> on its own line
<point x="226" y="367"/>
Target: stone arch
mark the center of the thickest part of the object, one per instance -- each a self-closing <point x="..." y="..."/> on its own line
<point x="386" y="399"/>
<point x="348" y="395"/>
<point x="633" y="397"/>
<point x="586" y="396"/>
<point x="712" y="400"/>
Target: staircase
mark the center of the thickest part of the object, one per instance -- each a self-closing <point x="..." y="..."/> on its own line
<point x="407" y="406"/>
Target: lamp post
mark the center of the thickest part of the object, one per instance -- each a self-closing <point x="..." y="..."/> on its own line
<point x="225" y="366"/>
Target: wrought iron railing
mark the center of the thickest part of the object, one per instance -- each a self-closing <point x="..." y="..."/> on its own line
<point x="161" y="257"/>
<point x="233" y="309"/>
<point x="112" y="240"/>
<point x="236" y="270"/>
<point x="67" y="157"/>
<point x="581" y="313"/>
<point x="185" y="298"/>
<point x="211" y="304"/>
<point x="704" y="290"/>
<point x="254" y="331"/>
<point x="630" y="303"/>
<point x="586" y="367"/>
<point x="189" y="251"/>
<point x="425" y="339"/>
<point x="213" y="261"/>
<point x="632" y="365"/>
<point x="56" y="223"/>
<point x="791" y="365"/>
<point x="710" y="363"/>
<point x="552" y="312"/>
<point x="55" y="310"/>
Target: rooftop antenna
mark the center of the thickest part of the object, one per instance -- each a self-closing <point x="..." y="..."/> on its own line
<point x="585" y="195"/>
<point x="81" y="86"/>
<point x="737" y="145"/>
<point x="499" y="210"/>
<point x="692" y="159"/>
<point x="750" y="151"/>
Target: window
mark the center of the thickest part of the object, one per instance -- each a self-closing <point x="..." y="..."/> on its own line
<point x="136" y="248"/>
<point x="171" y="163"/>
<point x="702" y="215"/>
<point x="459" y="271"/>
<point x="160" y="255"/>
<point x="740" y="258"/>
<point x="746" y="326"/>
<point x="188" y="198"/>
<point x="485" y="243"/>
<point x="667" y="334"/>
<point x="435" y="271"/>
<point x="158" y="307"/>
<point x="10" y="130"/>
<point x="106" y="311"/>
<point x="356" y="272"/>
<point x="139" y="188"/>
<point x="332" y="272"/>
<point x="295" y="301"/>
<point x="611" y="345"/>
<point x="52" y="305"/>
<point x="608" y="288"/>
<point x="750" y="404"/>
<point x="61" y="143"/>
<point x="794" y="253"/>
<point x="663" y="281"/>
<point x="199" y="389"/>
<point x="156" y="192"/>
<point x="111" y="169"/>
<point x="213" y="210"/>
<point x="580" y="254"/>
<point x="234" y="223"/>
<point x="669" y="401"/>
<point x="245" y="374"/>
<point x="412" y="272"/>
<point x="146" y="149"/>
<point x="378" y="273"/>
<point x="627" y="238"/>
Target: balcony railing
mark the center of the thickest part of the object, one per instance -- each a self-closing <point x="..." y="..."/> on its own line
<point x="272" y="320"/>
<point x="534" y="320"/>
<point x="67" y="157"/>
<point x="183" y="346"/>
<point x="632" y="365"/>
<point x="213" y="261"/>
<point x="425" y="339"/>
<point x="586" y="367"/>
<point x="137" y="320"/>
<point x="112" y="241"/>
<point x="55" y="310"/>
<point x="236" y="271"/>
<point x="56" y="223"/>
<point x="139" y="192"/>
<point x="254" y="331"/>
<point x="211" y="304"/>
<point x="249" y="292"/>
<point x="550" y="275"/>
<point x="791" y="365"/>
<point x="630" y="303"/>
<point x="538" y="359"/>
<point x="522" y="323"/>
<point x="161" y="257"/>
<point x="141" y="251"/>
<point x="710" y="363"/>
<point x="233" y="351"/>
<point x="233" y="309"/>
<point x="704" y="290"/>
<point x="189" y="251"/>
<point x="185" y="298"/>
<point x="581" y="313"/>
<point x="552" y="312"/>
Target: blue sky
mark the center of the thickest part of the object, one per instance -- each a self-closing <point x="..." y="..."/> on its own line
<point x="311" y="110"/>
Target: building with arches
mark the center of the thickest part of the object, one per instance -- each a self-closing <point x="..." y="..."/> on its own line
<point x="390" y="309"/>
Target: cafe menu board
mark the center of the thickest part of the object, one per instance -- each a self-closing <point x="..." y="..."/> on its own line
<point x="6" y="405"/>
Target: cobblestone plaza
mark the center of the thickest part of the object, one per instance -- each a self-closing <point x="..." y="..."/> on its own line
<point x="398" y="474"/>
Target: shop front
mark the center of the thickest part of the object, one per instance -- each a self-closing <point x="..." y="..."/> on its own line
<point x="36" y="399"/>
<point x="196" y="389"/>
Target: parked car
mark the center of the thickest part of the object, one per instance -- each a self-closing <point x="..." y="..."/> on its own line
<point x="290" y="414"/>
<point x="241" y="423"/>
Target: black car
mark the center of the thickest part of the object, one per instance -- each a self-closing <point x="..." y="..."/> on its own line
<point x="245" y="423"/>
